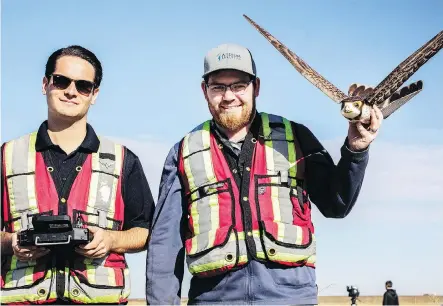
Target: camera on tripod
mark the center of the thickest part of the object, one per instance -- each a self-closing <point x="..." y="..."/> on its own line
<point x="353" y="293"/>
<point x="53" y="231"/>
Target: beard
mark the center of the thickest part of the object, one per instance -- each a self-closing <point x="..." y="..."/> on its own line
<point x="234" y="122"/>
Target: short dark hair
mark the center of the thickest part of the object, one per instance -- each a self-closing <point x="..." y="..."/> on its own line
<point x="388" y="283"/>
<point x="77" y="51"/>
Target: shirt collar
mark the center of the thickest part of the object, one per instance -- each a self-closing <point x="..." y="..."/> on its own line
<point x="43" y="142"/>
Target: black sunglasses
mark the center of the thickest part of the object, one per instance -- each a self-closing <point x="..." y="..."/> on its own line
<point x="83" y="87"/>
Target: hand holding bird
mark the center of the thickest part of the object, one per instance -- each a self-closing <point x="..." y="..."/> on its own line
<point x="360" y="137"/>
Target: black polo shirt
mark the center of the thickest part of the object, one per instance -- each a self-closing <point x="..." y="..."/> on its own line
<point x="136" y="193"/>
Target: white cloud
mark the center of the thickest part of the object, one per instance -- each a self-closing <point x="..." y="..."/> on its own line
<point x="401" y="172"/>
<point x="402" y="181"/>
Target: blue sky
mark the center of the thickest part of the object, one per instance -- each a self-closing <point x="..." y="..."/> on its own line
<point x="152" y="54"/>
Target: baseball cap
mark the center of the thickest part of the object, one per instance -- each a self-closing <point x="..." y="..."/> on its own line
<point x="229" y="56"/>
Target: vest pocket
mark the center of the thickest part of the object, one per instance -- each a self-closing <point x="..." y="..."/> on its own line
<point x="209" y="260"/>
<point x="99" y="280"/>
<point x="212" y="242"/>
<point x="278" y="201"/>
<point x="204" y="209"/>
<point x="286" y="232"/>
<point x="287" y="243"/>
<point x="26" y="281"/>
<point x="301" y="207"/>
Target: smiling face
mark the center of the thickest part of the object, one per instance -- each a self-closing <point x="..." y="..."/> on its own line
<point x="231" y="98"/>
<point x="69" y="100"/>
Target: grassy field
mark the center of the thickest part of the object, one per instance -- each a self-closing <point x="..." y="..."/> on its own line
<point x="363" y="300"/>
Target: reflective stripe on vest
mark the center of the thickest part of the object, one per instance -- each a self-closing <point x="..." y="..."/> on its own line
<point x="35" y="280"/>
<point x="104" y="180"/>
<point x="282" y="229"/>
<point x="106" y="166"/>
<point x="20" y="178"/>
<point x="202" y="164"/>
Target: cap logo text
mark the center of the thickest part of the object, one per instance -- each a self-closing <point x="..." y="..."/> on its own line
<point x="222" y="56"/>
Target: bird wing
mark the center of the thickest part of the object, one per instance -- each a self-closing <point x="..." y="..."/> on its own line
<point x="405" y="70"/>
<point x="302" y="67"/>
<point x="401" y="97"/>
<point x="360" y="90"/>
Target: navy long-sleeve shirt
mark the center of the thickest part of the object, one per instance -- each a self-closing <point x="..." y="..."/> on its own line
<point x="332" y="188"/>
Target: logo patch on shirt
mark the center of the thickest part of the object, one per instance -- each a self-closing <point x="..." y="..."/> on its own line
<point x="107" y="165"/>
<point x="261" y="189"/>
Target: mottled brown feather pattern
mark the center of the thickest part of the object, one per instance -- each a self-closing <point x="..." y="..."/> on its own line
<point x="302" y="67"/>
<point x="406" y="69"/>
<point x="385" y="94"/>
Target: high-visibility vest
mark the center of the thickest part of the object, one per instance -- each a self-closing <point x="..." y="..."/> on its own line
<point x="278" y="227"/>
<point x="95" y="199"/>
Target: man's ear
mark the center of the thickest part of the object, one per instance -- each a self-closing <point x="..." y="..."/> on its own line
<point x="94" y="95"/>
<point x="45" y="83"/>
<point x="205" y="90"/>
<point x="257" y="87"/>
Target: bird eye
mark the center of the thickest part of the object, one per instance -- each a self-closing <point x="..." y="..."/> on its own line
<point x="356" y="104"/>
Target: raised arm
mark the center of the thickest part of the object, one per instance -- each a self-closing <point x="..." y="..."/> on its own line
<point x="334" y="189"/>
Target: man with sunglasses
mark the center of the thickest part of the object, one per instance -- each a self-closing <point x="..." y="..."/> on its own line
<point x="235" y="197"/>
<point x="65" y="169"/>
